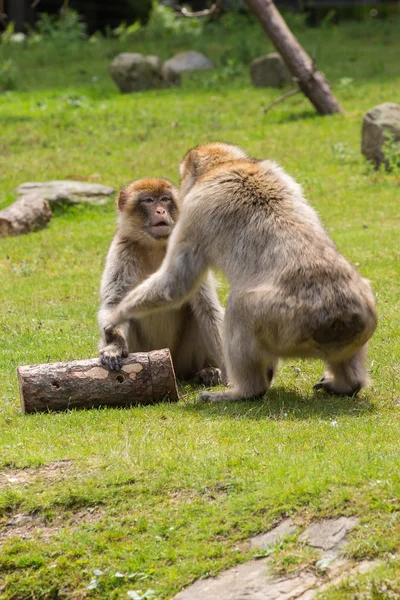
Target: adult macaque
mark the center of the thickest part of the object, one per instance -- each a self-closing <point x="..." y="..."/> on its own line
<point x="147" y="213"/>
<point x="292" y="293"/>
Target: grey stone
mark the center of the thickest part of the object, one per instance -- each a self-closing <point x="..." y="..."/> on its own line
<point x="275" y="535"/>
<point x="379" y="124"/>
<point x="252" y="580"/>
<point x="133" y="72"/>
<point x="189" y="61"/>
<point x="329" y="533"/>
<point x="269" y="71"/>
<point x="70" y="192"/>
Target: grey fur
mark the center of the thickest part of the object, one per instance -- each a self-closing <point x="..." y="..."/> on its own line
<point x="292" y="293"/>
<point x="191" y="331"/>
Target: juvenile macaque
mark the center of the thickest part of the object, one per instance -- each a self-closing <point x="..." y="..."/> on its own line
<point x="147" y="212"/>
<point x="292" y="293"/>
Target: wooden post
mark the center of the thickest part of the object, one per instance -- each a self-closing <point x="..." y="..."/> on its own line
<point x="311" y="81"/>
<point x="145" y="378"/>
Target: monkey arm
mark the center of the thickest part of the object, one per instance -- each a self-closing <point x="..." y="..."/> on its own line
<point x="116" y="282"/>
<point x="176" y="280"/>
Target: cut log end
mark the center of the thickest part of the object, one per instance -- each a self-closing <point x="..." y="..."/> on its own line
<point x="145" y="378"/>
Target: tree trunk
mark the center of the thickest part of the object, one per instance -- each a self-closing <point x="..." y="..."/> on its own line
<point x="312" y="82"/>
<point x="28" y="213"/>
<point x="145" y="378"/>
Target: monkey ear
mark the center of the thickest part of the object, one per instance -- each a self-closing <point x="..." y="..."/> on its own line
<point x="189" y="164"/>
<point x="122" y="198"/>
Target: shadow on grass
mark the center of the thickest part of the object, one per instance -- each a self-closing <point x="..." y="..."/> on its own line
<point x="289" y="117"/>
<point x="281" y="404"/>
<point x="15" y="118"/>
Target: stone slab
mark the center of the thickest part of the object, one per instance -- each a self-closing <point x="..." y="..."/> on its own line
<point x="254" y="580"/>
<point x="329" y="533"/>
<point x="250" y="581"/>
<point x="275" y="535"/>
<point x="68" y="191"/>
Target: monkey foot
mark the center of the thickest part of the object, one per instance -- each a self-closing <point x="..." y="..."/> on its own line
<point x="328" y="386"/>
<point x="228" y="396"/>
<point x="214" y="397"/>
<point x="209" y="377"/>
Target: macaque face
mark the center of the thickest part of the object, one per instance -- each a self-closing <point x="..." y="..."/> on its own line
<point x="149" y="208"/>
<point x="157" y="211"/>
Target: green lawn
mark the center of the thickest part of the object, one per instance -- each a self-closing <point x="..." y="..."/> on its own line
<point x="169" y="493"/>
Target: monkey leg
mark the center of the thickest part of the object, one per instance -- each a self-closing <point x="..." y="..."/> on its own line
<point x="250" y="369"/>
<point x="345" y="378"/>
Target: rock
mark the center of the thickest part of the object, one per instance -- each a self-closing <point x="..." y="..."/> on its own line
<point x="28" y="213"/>
<point x="189" y="61"/>
<point x="70" y="192"/>
<point x="329" y="533"/>
<point x="171" y="76"/>
<point x="134" y="72"/>
<point x="252" y="580"/>
<point x="275" y="535"/>
<point x="255" y="580"/>
<point x="379" y="124"/>
<point x="269" y="71"/>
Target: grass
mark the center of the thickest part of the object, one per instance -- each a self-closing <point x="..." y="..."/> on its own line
<point x="170" y="493"/>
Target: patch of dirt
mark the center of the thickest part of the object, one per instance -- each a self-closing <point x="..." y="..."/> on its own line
<point x="177" y="497"/>
<point x="211" y="494"/>
<point x="54" y="471"/>
<point x="25" y="526"/>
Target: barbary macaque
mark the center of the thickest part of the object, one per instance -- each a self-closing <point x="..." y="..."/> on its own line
<point x="292" y="293"/>
<point x="147" y="212"/>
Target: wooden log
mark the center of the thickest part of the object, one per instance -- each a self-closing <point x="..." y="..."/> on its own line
<point x="26" y="214"/>
<point x="145" y="378"/>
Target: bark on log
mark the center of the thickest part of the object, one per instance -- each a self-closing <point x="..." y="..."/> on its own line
<point x="311" y="81"/>
<point x="28" y="213"/>
<point x="145" y="378"/>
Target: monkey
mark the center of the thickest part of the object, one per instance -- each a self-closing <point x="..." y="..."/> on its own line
<point x="293" y="295"/>
<point x="147" y="212"/>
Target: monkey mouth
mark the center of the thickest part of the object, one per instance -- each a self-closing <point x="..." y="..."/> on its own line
<point x="160" y="230"/>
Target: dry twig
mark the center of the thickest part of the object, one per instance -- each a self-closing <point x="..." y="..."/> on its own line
<point x="281" y="99"/>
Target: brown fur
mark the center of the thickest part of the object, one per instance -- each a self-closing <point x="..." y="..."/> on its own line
<point x="292" y="293"/>
<point x="192" y="332"/>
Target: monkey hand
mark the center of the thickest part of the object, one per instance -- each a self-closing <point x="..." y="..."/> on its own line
<point x="209" y="377"/>
<point x="111" y="356"/>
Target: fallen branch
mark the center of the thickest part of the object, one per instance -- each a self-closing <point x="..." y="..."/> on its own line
<point x="28" y="213"/>
<point x="281" y="99"/>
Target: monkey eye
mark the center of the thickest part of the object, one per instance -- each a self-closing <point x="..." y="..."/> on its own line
<point x="147" y="200"/>
<point x="164" y="199"/>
